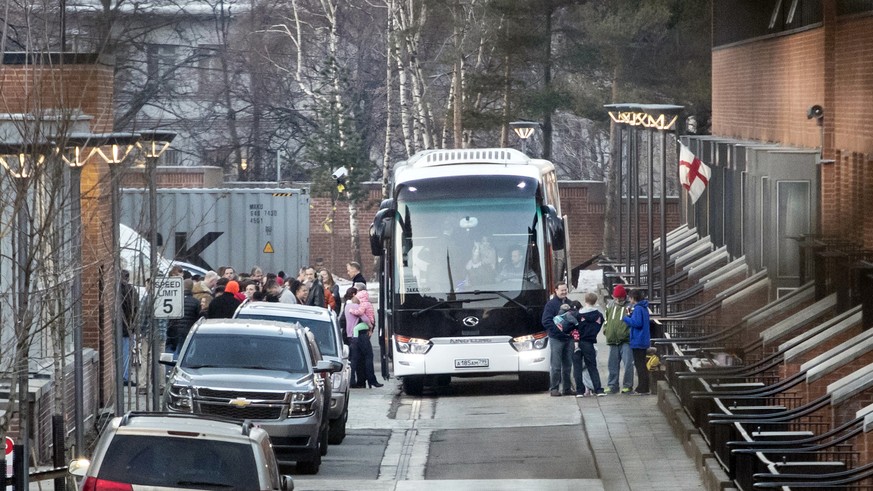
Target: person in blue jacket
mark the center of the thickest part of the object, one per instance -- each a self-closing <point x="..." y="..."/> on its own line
<point x="640" y="338"/>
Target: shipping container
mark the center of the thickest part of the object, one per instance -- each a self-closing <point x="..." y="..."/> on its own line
<point x="236" y="227"/>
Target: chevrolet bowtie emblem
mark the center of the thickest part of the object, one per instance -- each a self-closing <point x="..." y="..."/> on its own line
<point x="240" y="402"/>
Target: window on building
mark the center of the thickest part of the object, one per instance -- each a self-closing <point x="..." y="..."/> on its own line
<point x="170" y="157"/>
<point x="209" y="80"/>
<point x="162" y="64"/>
<point x="216" y="156"/>
<point x="740" y="20"/>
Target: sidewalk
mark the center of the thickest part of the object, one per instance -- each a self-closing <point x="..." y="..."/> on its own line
<point x="633" y="441"/>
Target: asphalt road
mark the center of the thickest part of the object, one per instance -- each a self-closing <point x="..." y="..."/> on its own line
<point x="477" y="431"/>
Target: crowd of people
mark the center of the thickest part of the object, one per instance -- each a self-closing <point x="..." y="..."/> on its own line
<point x="218" y="294"/>
<point x="573" y="329"/>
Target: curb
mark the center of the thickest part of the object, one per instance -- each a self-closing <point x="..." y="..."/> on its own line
<point x="713" y="476"/>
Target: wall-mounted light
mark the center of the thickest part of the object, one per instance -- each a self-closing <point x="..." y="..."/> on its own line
<point x="816" y="112"/>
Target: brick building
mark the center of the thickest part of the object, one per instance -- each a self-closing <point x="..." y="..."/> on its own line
<point x="47" y="96"/>
<point x="792" y="86"/>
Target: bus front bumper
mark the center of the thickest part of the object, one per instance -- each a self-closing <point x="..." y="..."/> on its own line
<point x="459" y="356"/>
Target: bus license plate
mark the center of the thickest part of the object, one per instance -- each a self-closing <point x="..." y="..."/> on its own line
<point x="471" y="363"/>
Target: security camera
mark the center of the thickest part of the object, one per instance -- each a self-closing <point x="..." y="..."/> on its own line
<point x="815" y="111"/>
<point x="340" y="173"/>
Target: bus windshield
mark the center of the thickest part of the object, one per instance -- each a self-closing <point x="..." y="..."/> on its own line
<point x="477" y="234"/>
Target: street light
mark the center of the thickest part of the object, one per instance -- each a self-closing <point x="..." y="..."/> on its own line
<point x="524" y="130"/>
<point x="27" y="157"/>
<point x="119" y="146"/>
<point x="75" y="160"/>
<point x="153" y="144"/>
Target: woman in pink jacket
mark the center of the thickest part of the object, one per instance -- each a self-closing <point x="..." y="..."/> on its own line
<point x="363" y="310"/>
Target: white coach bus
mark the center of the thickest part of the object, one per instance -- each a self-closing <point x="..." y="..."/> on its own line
<point x="469" y="247"/>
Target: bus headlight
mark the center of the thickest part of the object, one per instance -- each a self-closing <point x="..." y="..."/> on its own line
<point x="412" y="346"/>
<point x="531" y="342"/>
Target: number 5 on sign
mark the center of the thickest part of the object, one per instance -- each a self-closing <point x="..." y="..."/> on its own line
<point x="169" y="297"/>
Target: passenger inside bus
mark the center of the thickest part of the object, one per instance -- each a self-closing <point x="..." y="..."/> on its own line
<point x="480" y="267"/>
<point x="514" y="267"/>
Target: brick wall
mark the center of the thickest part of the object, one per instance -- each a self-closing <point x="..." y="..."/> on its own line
<point x="330" y="232"/>
<point x="847" y="192"/>
<point x="175" y="177"/>
<point x="35" y="83"/>
<point x="98" y="294"/>
<point x="761" y="90"/>
<point x="853" y="85"/>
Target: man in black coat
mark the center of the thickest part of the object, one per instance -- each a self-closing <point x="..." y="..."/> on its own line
<point x="561" y="344"/>
<point x="353" y="268"/>
<point x="177" y="329"/>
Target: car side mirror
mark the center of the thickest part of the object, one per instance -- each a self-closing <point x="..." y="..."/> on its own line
<point x="287" y="483"/>
<point x="79" y="467"/>
<point x="167" y="359"/>
<point x="331" y="366"/>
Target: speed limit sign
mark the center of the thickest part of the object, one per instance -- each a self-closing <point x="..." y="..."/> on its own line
<point x="169" y="298"/>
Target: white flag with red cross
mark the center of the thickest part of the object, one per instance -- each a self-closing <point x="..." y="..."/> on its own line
<point x="693" y="174"/>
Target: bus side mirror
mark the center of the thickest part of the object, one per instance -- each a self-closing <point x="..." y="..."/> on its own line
<point x="555" y="226"/>
<point x="380" y="230"/>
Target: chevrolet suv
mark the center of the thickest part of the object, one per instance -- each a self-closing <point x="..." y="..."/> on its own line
<point x="323" y="324"/>
<point x="180" y="451"/>
<point x="269" y="373"/>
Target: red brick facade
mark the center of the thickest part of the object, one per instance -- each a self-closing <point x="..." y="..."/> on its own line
<point x="763" y="88"/>
<point x="40" y="83"/>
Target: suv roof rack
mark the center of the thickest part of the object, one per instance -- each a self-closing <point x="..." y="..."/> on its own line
<point x="125" y="420"/>
<point x="247" y="427"/>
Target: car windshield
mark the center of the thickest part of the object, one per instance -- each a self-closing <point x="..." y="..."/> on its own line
<point x="283" y="353"/>
<point x="179" y="462"/>
<point x="325" y="334"/>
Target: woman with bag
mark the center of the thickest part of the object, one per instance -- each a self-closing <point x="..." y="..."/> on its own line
<point x="363" y="309"/>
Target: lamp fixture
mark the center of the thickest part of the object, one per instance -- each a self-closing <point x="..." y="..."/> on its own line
<point x="26" y="163"/>
<point x="524" y="129"/>
<point x="153" y="144"/>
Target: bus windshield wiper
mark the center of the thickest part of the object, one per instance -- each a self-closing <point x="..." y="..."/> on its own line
<point x="501" y="294"/>
<point x="446" y="302"/>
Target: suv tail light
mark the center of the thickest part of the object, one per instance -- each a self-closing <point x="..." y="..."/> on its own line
<point x="94" y="484"/>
